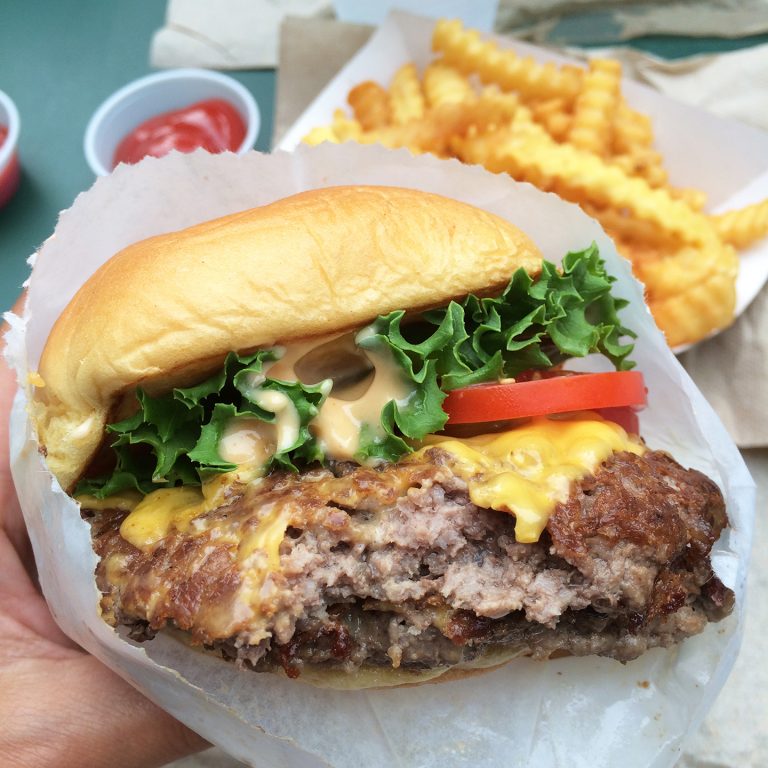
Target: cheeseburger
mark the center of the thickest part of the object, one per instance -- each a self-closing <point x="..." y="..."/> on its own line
<point x="336" y="437"/>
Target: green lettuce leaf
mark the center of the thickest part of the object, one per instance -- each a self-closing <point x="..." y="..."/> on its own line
<point x="534" y="324"/>
<point x="567" y="312"/>
<point x="173" y="438"/>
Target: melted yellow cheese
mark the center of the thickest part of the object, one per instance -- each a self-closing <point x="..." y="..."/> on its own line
<point x="525" y="471"/>
<point x="160" y="513"/>
<point x="266" y="537"/>
<point x="528" y="470"/>
<point x="125" y="501"/>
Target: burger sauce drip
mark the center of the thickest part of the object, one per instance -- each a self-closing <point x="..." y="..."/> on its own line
<point x="347" y="408"/>
<point x="214" y="125"/>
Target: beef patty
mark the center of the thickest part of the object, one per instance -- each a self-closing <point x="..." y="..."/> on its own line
<point x="396" y="567"/>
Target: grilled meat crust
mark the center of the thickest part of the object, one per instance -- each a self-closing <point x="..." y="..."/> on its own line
<point x="398" y="568"/>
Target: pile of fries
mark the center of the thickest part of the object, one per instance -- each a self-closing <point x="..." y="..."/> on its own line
<point x="567" y="130"/>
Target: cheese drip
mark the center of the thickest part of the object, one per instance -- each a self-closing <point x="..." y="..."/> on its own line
<point x="253" y="540"/>
<point x="527" y="471"/>
<point x="183" y="510"/>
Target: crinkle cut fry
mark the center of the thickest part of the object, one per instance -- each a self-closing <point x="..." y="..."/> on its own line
<point x="644" y="162"/>
<point x="370" y="103"/>
<point x="554" y="115"/>
<point x="677" y="272"/>
<point x="504" y="103"/>
<point x="592" y="127"/>
<point x="698" y="311"/>
<point x="632" y="130"/>
<point x="341" y="129"/>
<point x="623" y="226"/>
<point x="406" y="98"/>
<point x="319" y="134"/>
<point x="464" y="49"/>
<point x="418" y="136"/>
<point x="433" y="133"/>
<point x="744" y="225"/>
<point x="445" y="85"/>
<point x="578" y="175"/>
<point x="441" y="125"/>
<point x="695" y="199"/>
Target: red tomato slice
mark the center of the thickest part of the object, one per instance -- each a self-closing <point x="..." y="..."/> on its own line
<point x="625" y="417"/>
<point x="559" y="394"/>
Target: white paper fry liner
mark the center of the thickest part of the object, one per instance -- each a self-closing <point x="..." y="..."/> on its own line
<point x="570" y="712"/>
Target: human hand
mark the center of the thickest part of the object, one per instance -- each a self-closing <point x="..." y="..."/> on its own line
<point x="59" y="706"/>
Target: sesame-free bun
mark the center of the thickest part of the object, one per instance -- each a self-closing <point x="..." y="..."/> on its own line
<point x="368" y="677"/>
<point x="166" y="310"/>
<point x="389" y="677"/>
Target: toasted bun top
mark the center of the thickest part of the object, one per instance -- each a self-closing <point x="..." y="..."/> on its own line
<point x="167" y="310"/>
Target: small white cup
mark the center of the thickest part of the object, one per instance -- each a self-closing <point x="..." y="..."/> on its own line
<point x="9" y="159"/>
<point x="155" y="94"/>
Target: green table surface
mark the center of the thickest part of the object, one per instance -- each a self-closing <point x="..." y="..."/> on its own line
<point x="59" y="59"/>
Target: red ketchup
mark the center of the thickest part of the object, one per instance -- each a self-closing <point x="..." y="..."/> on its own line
<point x="214" y="125"/>
<point x="10" y="174"/>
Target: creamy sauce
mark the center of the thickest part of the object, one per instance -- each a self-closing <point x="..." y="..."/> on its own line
<point x="124" y="501"/>
<point x="83" y="429"/>
<point x="359" y="383"/>
<point x="284" y="368"/>
<point x="247" y="441"/>
<point x="287" y="422"/>
<point x="337" y="426"/>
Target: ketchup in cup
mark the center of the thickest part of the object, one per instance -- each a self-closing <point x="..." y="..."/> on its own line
<point x="214" y="125"/>
<point x="9" y="175"/>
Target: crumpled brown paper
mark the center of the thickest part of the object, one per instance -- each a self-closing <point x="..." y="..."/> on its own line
<point x="594" y="21"/>
<point x="242" y="34"/>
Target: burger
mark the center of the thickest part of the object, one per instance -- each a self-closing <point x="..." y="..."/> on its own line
<point x="337" y="438"/>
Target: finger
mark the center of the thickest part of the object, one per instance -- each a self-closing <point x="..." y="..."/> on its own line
<point x="78" y="712"/>
<point x="11" y="520"/>
<point x="10" y="514"/>
<point x="24" y="616"/>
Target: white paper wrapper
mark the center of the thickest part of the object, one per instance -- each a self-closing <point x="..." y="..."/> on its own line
<point x="714" y="154"/>
<point x="571" y="712"/>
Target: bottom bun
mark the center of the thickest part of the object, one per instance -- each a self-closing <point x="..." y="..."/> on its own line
<point x="391" y="677"/>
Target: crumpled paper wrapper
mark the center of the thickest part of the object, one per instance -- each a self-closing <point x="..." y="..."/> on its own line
<point x="589" y="712"/>
<point x="242" y="34"/>
<point x="227" y="34"/>
<point x="723" y="163"/>
<point x="594" y="21"/>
